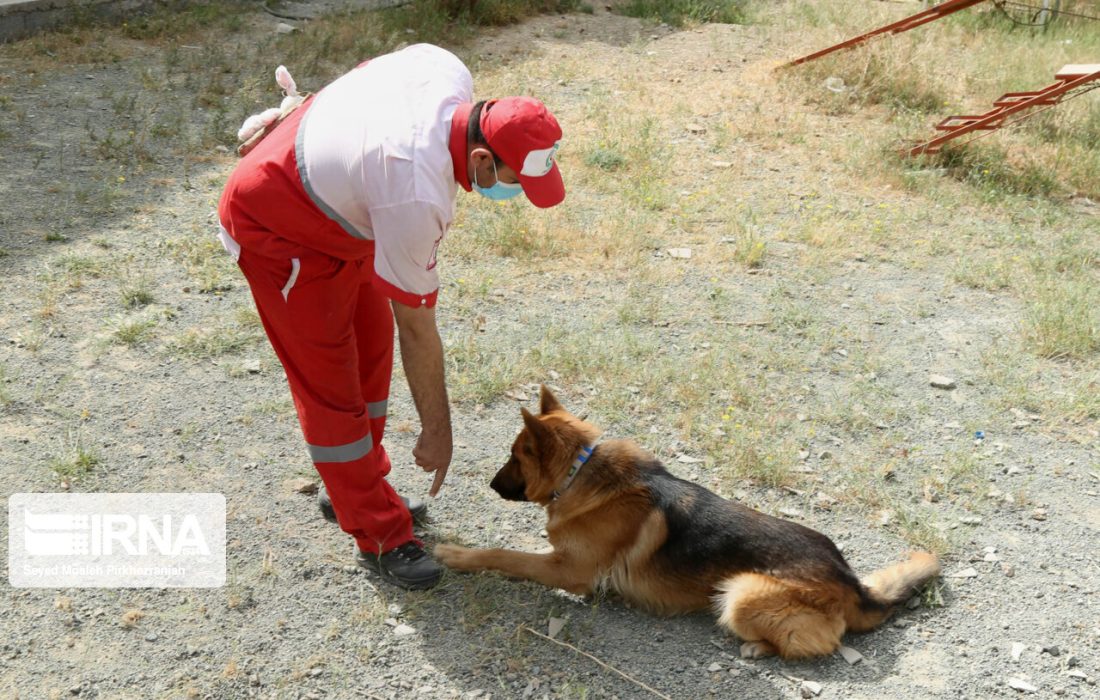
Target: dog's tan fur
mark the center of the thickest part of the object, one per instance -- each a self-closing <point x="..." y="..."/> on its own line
<point x="792" y="595"/>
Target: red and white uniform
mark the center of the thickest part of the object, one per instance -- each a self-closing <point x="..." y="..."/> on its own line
<point x="341" y="208"/>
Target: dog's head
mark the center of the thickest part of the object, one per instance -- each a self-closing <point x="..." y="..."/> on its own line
<point x="543" y="452"/>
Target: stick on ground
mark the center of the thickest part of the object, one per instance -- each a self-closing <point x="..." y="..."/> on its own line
<point x="609" y="667"/>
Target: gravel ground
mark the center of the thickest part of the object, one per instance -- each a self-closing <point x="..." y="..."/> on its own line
<point x="296" y="620"/>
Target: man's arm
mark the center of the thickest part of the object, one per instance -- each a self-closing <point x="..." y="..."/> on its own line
<point x="422" y="358"/>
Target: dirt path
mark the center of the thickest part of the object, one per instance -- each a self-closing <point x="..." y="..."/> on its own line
<point x="848" y="337"/>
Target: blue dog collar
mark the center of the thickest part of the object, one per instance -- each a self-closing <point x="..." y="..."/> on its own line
<point x="585" y="453"/>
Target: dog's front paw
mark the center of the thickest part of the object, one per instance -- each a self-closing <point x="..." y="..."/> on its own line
<point x="453" y="556"/>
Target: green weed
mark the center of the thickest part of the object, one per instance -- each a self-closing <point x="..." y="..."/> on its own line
<point x="75" y="463"/>
<point x="680" y="12"/>
<point x="133" y="332"/>
<point x="1062" y="319"/>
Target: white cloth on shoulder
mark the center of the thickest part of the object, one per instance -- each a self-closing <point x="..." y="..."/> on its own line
<point x="264" y="119"/>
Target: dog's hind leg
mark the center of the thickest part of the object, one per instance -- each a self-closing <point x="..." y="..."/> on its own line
<point x="775" y="616"/>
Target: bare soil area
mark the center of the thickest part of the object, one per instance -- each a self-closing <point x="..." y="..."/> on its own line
<point x="132" y="361"/>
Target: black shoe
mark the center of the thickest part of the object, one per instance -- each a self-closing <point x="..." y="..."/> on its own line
<point x="408" y="566"/>
<point x="418" y="509"/>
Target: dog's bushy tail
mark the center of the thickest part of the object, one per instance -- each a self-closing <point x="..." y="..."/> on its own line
<point x="888" y="587"/>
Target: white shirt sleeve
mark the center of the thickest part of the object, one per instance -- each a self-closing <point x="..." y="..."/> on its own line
<point x="406" y="240"/>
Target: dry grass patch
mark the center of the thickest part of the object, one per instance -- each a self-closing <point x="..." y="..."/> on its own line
<point x="957" y="65"/>
<point x="238" y="331"/>
<point x="1063" y="317"/>
<point x="130" y="618"/>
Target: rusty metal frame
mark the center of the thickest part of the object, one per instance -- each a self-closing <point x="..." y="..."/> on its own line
<point x="933" y="13"/>
<point x="1069" y="78"/>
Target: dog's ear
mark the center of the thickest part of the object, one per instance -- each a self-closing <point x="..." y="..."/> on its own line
<point x="547" y="401"/>
<point x="534" y="425"/>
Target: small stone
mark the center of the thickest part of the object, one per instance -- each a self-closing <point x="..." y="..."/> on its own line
<point x="682" y="253"/>
<point x="850" y="655"/>
<point x="1017" y="649"/>
<point x="723" y="164"/>
<point x="284" y="28"/>
<point x="969" y="572"/>
<point x="555" y="627"/>
<point x="252" y="366"/>
<point x="151" y="637"/>
<point x="1021" y="685"/>
<point x="940" y="381"/>
<point x="1053" y="650"/>
<point x="913" y="603"/>
<point x="75" y="690"/>
<point x="301" y="485"/>
<point x="1039" y="514"/>
<point x="316" y="671"/>
<point x="1080" y="675"/>
<point x="991" y="557"/>
<point x="970" y="520"/>
<point x="824" y="455"/>
<point x="714" y="667"/>
<point x="695" y="128"/>
<point x="1072" y="661"/>
<point x="515" y="395"/>
<point x="810" y="689"/>
<point x="790" y="513"/>
<point x="1008" y="570"/>
<point x="403" y="630"/>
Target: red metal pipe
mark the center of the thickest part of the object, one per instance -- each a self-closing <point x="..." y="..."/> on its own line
<point x="994" y="118"/>
<point x="932" y="13"/>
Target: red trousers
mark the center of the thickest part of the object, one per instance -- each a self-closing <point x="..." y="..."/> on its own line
<point x="332" y="331"/>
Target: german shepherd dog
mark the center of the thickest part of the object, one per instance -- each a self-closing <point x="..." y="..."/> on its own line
<point x="621" y="521"/>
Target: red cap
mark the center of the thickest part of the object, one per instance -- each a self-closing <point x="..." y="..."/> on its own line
<point x="526" y="136"/>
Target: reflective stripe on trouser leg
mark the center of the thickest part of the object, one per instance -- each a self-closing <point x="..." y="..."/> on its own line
<point x="312" y="333"/>
<point x="348" y="452"/>
<point x="374" y="341"/>
<point x="377" y="413"/>
<point x="364" y="501"/>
